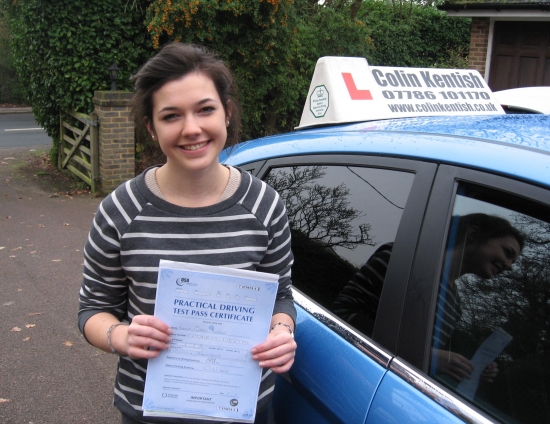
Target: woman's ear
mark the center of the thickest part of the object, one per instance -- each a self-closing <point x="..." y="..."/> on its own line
<point x="472" y="233"/>
<point x="228" y="113"/>
<point x="150" y="128"/>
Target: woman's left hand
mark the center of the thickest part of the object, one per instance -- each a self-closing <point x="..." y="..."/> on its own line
<point x="490" y="373"/>
<point x="277" y="352"/>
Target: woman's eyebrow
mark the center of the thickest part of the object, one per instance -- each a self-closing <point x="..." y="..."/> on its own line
<point x="206" y="100"/>
<point x="199" y="103"/>
<point x="167" y="109"/>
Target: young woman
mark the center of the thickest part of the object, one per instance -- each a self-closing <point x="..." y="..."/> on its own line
<point x="191" y="209"/>
<point x="485" y="246"/>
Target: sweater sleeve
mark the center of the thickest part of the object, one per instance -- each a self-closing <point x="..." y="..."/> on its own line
<point x="104" y="285"/>
<point x="358" y="301"/>
<point x="278" y="258"/>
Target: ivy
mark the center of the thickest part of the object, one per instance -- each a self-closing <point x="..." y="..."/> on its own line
<point x="62" y="50"/>
<point x="10" y="87"/>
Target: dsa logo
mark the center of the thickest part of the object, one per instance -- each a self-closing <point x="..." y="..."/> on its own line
<point x="182" y="281"/>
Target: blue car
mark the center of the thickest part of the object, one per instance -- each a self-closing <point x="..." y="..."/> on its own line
<point x="422" y="262"/>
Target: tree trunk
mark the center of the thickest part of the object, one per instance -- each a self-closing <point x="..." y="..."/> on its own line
<point x="354" y="8"/>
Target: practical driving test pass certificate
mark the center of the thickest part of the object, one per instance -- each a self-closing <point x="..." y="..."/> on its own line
<point x="217" y="316"/>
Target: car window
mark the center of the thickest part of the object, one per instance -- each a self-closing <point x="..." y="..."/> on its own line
<point x="491" y="341"/>
<point x="340" y="216"/>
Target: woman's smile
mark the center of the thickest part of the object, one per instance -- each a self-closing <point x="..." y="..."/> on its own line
<point x="496" y="269"/>
<point x="492" y="257"/>
<point x="194" y="146"/>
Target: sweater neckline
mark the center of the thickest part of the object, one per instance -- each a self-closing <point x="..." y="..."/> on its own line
<point x="200" y="211"/>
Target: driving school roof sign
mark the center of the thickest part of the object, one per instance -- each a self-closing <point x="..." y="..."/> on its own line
<point x="347" y="89"/>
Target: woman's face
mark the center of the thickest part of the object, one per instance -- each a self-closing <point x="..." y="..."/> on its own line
<point x="491" y="257"/>
<point x="189" y="122"/>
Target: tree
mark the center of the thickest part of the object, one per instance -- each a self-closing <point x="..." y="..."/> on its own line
<point x="319" y="212"/>
<point x="62" y="48"/>
<point x="321" y="219"/>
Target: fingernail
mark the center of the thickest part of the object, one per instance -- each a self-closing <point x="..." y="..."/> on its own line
<point x="255" y="357"/>
<point x="253" y="350"/>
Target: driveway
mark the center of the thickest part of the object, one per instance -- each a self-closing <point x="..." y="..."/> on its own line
<point x="48" y="372"/>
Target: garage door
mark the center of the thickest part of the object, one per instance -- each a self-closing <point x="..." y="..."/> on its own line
<point x="521" y="55"/>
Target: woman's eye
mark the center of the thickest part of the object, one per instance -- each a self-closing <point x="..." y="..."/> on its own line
<point x="169" y="117"/>
<point x="207" y="109"/>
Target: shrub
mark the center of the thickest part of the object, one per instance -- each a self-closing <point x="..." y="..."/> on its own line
<point x="415" y="35"/>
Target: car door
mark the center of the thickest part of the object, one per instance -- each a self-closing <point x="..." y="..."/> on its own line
<point x="504" y="317"/>
<point x="342" y="209"/>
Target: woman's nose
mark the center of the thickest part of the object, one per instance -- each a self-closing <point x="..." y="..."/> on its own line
<point x="191" y="127"/>
<point x="507" y="264"/>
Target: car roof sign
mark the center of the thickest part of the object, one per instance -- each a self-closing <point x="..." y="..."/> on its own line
<point x="348" y="89"/>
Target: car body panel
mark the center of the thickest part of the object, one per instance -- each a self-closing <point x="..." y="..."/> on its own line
<point x="493" y="143"/>
<point x="293" y="404"/>
<point x="340" y="377"/>
<point x="529" y="99"/>
<point x="341" y="388"/>
<point x="343" y="384"/>
<point x="397" y="402"/>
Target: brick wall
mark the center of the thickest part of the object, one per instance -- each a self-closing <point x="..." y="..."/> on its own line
<point x="116" y="138"/>
<point x="479" y="41"/>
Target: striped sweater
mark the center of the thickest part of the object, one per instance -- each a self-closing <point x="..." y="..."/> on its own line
<point x="133" y="229"/>
<point x="357" y="303"/>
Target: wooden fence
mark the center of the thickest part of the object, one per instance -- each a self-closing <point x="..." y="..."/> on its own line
<point x="79" y="147"/>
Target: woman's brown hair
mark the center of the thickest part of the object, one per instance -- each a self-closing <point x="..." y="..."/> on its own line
<point x="488" y="227"/>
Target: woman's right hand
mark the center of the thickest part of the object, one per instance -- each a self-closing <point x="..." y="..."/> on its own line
<point x="454" y="365"/>
<point x="145" y="337"/>
<point x="459" y="368"/>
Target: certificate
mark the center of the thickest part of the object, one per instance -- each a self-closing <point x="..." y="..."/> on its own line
<point x="217" y="315"/>
<point x="485" y="354"/>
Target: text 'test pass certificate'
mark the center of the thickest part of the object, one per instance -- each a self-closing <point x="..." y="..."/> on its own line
<point x="217" y="315"/>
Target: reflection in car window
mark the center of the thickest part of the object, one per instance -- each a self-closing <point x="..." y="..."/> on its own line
<point x="491" y="339"/>
<point x="339" y="216"/>
<point x="357" y="302"/>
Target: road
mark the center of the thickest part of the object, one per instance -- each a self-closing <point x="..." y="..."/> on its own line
<point x="21" y="130"/>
